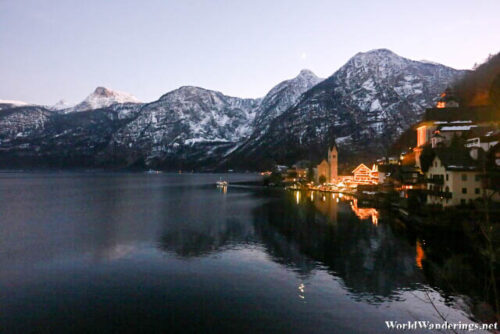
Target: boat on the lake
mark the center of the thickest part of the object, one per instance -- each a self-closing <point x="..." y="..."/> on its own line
<point x="221" y="183"/>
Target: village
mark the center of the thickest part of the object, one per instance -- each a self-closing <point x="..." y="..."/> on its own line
<point x="455" y="163"/>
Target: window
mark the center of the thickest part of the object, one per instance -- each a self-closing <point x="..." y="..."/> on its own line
<point x="464" y="177"/>
<point x="477" y="191"/>
<point x="447" y="189"/>
<point x="462" y="201"/>
<point x="478" y="178"/>
<point x="464" y="190"/>
<point x="447" y="177"/>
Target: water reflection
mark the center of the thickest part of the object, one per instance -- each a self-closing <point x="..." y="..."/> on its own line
<point x="303" y="231"/>
<point x="205" y="224"/>
<point x="320" y="232"/>
<point x="420" y="254"/>
<point x="178" y="244"/>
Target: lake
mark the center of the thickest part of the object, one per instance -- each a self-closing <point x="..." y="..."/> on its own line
<point x="102" y="252"/>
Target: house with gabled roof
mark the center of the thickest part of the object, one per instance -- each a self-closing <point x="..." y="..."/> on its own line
<point x="454" y="178"/>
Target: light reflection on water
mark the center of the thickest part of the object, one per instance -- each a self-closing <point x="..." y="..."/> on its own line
<point x="173" y="252"/>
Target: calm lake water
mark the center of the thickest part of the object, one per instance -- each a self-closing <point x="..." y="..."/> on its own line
<point x="167" y="252"/>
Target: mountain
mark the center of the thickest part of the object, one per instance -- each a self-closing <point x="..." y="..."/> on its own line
<point x="187" y="127"/>
<point x="37" y="137"/>
<point x="60" y="105"/>
<point x="19" y="122"/>
<point x="183" y="128"/>
<point x="283" y="96"/>
<point x="193" y="127"/>
<point x="365" y="105"/>
<point x="6" y="104"/>
<point x="103" y="97"/>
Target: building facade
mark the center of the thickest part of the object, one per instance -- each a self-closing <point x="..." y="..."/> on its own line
<point x="450" y="185"/>
<point x="328" y="168"/>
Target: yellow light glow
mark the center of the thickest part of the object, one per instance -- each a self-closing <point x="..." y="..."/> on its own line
<point x="421" y="135"/>
<point x="420" y="254"/>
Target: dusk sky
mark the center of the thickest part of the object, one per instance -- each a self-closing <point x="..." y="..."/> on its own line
<point x="64" y="49"/>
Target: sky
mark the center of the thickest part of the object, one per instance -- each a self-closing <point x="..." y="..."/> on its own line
<point x="63" y="49"/>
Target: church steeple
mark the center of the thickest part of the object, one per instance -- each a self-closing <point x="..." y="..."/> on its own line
<point x="333" y="162"/>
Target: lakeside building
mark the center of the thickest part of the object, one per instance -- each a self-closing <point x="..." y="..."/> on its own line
<point x="328" y="168"/>
<point x="453" y="178"/>
<point x="457" y="140"/>
<point x="440" y="125"/>
<point x="364" y="175"/>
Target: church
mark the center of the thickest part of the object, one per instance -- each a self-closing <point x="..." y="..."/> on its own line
<point x="327" y="170"/>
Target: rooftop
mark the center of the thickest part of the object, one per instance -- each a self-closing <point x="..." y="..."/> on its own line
<point x="456" y="159"/>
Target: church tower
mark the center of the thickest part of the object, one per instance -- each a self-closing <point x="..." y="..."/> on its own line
<point x="333" y="163"/>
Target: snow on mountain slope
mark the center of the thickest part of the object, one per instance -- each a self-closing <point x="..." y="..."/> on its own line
<point x="201" y="124"/>
<point x="367" y="103"/>
<point x="284" y="95"/>
<point x="186" y="117"/>
<point x="61" y="105"/>
<point x="22" y="122"/>
<point x="103" y="97"/>
<point x="6" y="104"/>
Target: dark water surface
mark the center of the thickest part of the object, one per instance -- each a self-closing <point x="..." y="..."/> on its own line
<point x="163" y="253"/>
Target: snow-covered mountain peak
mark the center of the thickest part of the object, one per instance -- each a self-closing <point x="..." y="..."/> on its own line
<point x="381" y="58"/>
<point x="103" y="91"/>
<point x="305" y="73"/>
<point x="7" y="104"/>
<point x="61" y="105"/>
<point x="283" y="96"/>
<point x="104" y="97"/>
<point x="14" y="102"/>
<point x="103" y="94"/>
<point x="188" y="91"/>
